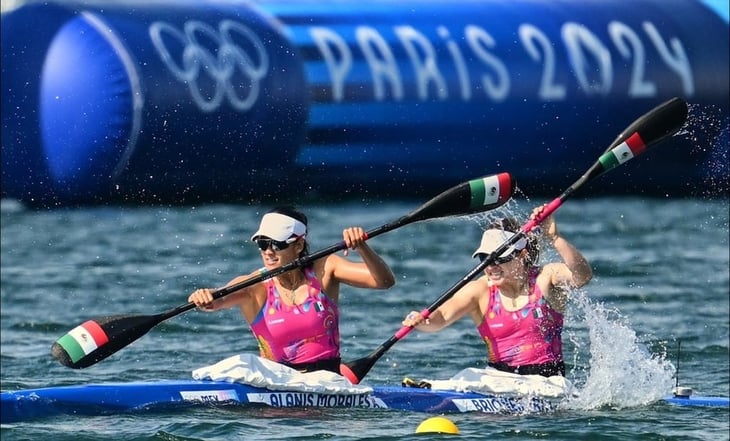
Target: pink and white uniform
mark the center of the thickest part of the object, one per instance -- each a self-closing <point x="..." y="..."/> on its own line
<point x="528" y="336"/>
<point x="298" y="334"/>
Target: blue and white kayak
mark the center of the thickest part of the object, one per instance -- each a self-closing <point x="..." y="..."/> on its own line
<point x="141" y="396"/>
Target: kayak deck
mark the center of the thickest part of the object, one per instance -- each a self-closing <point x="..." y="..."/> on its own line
<point x="111" y="398"/>
<point x="114" y="398"/>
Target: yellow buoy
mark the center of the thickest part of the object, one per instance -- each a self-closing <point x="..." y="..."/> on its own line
<point x="437" y="425"/>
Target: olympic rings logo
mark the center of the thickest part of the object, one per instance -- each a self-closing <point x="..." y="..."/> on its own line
<point x="222" y="66"/>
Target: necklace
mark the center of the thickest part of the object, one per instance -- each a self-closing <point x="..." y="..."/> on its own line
<point x="292" y="291"/>
<point x="513" y="299"/>
<point x="293" y="296"/>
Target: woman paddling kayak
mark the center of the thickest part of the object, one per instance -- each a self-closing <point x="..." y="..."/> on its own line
<point x="516" y="305"/>
<point x="294" y="316"/>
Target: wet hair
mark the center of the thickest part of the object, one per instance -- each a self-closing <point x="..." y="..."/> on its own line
<point x="294" y="213"/>
<point x="533" y="240"/>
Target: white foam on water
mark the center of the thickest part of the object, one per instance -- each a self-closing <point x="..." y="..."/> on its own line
<point x="619" y="371"/>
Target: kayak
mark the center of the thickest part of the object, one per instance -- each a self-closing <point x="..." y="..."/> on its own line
<point x="147" y="396"/>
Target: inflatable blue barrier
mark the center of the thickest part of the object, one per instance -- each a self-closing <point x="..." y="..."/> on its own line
<point x="195" y="101"/>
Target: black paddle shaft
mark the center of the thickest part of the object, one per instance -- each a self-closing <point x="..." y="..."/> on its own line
<point x="97" y="339"/>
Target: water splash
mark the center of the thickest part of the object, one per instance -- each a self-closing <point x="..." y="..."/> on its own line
<point x="513" y="208"/>
<point x="708" y="130"/>
<point x="620" y="371"/>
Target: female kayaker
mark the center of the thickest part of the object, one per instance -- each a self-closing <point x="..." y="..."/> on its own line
<point x="517" y="305"/>
<point x="294" y="316"/>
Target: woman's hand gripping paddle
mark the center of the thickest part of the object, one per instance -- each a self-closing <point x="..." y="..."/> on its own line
<point x="96" y="339"/>
<point x="661" y="122"/>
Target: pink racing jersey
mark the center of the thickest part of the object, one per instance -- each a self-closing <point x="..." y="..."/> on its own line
<point x="528" y="336"/>
<point x="301" y="333"/>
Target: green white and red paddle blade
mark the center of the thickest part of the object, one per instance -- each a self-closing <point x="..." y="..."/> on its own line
<point x="96" y="339"/>
<point x="474" y="196"/>
<point x="661" y="122"/>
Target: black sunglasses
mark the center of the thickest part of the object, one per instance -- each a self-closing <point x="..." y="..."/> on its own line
<point x="500" y="260"/>
<point x="276" y="245"/>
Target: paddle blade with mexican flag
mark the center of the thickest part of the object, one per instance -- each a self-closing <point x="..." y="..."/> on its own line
<point x="95" y="340"/>
<point x="651" y="128"/>
<point x="474" y="196"/>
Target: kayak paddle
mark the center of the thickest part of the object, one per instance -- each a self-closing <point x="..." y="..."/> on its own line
<point x="654" y="126"/>
<point x="96" y="339"/>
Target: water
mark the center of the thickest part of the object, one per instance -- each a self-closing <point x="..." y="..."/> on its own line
<point x="661" y="277"/>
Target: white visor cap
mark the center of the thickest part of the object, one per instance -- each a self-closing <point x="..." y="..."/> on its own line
<point x="494" y="238"/>
<point x="279" y="227"/>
